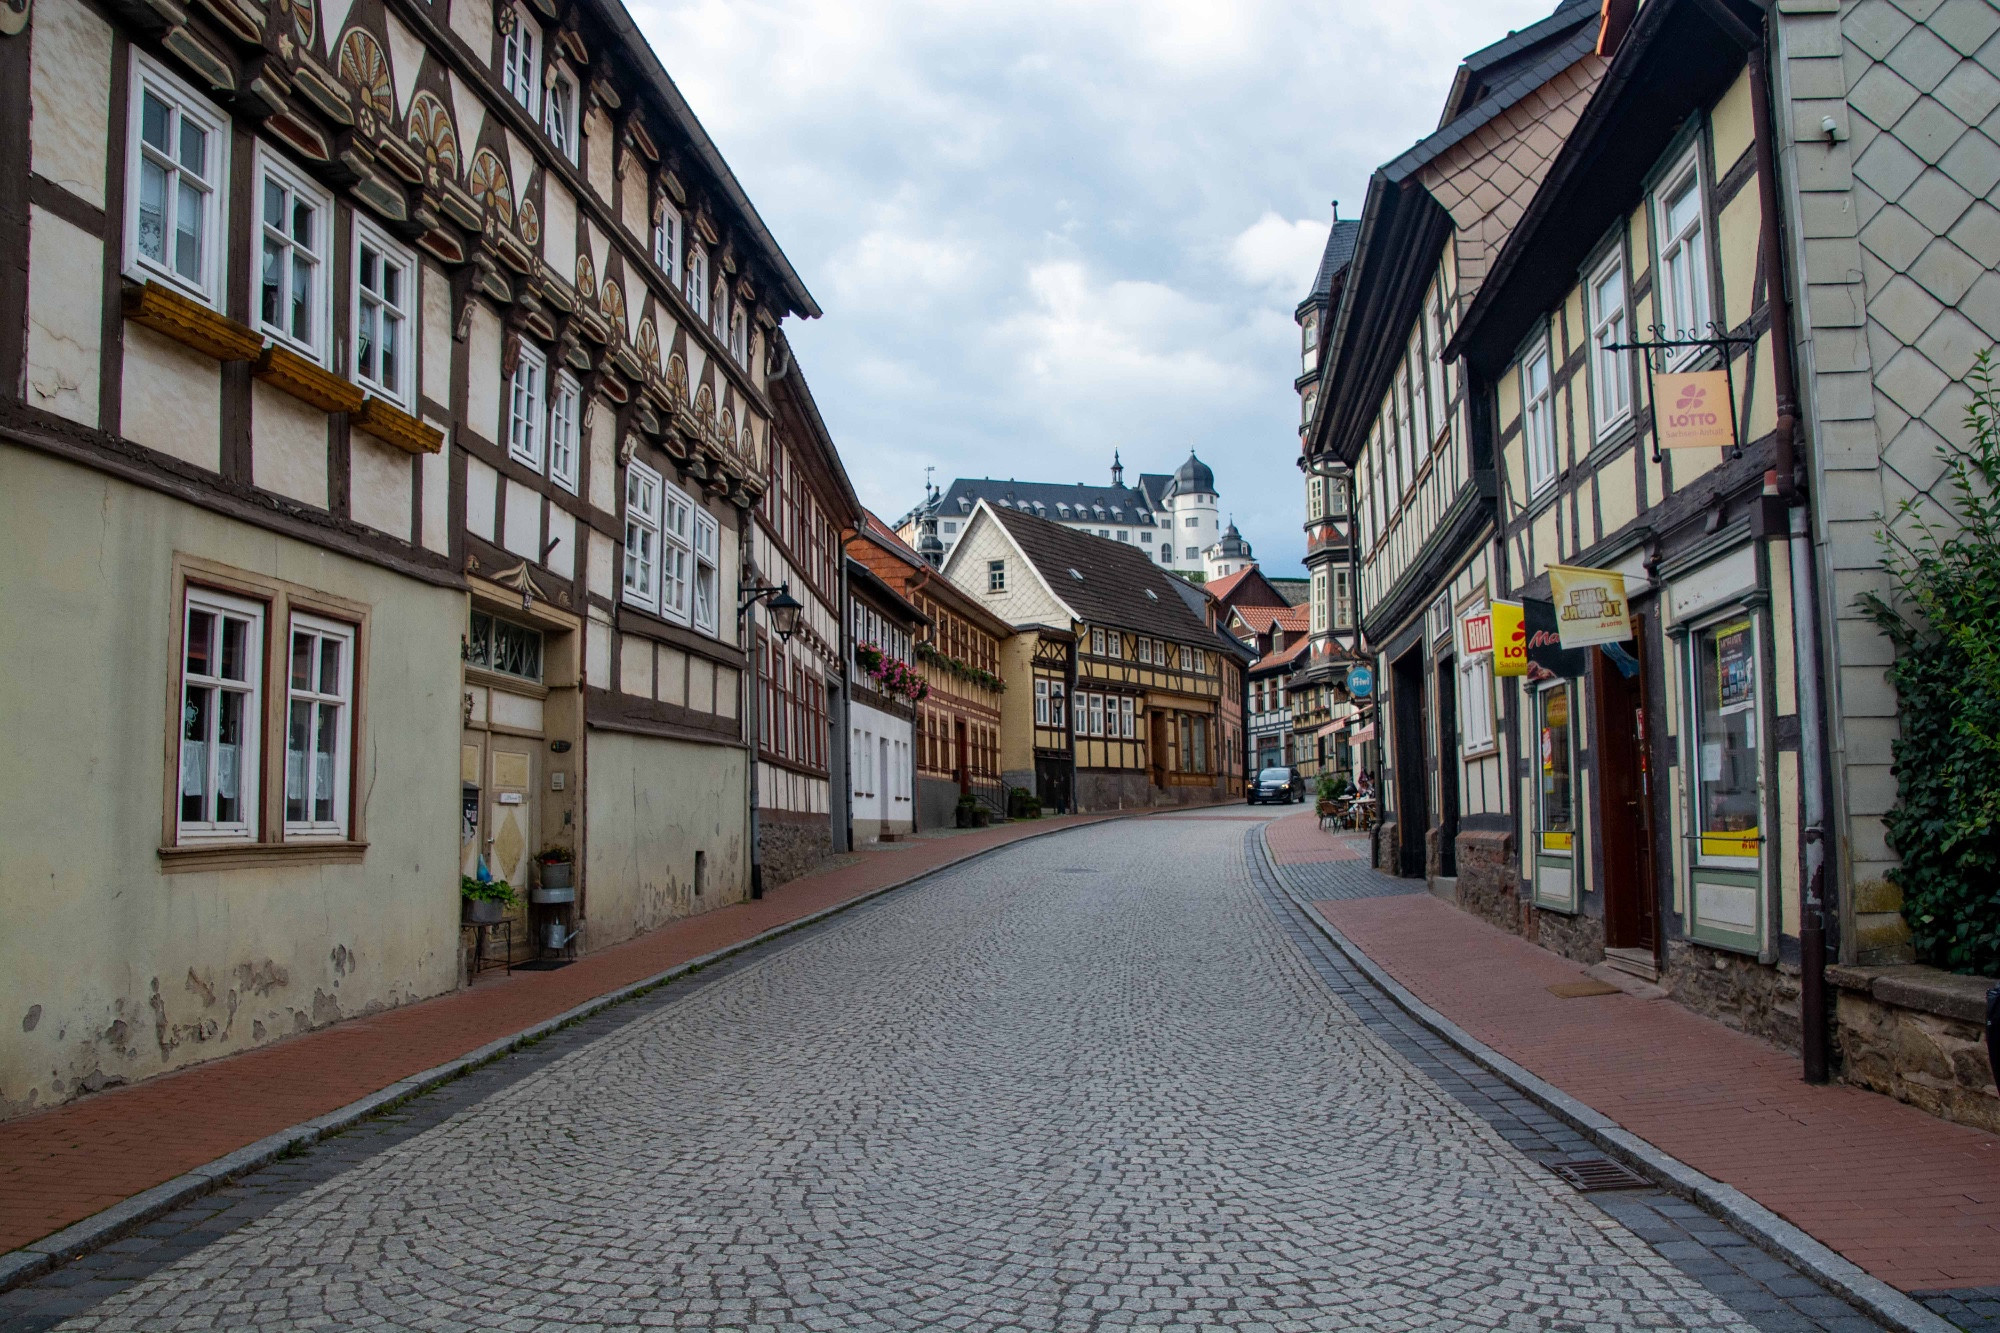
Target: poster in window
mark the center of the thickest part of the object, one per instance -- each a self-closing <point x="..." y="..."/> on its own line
<point x="1734" y="679"/>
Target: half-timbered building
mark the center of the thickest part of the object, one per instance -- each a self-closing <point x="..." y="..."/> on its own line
<point x="388" y="383"/>
<point x="1144" y="701"/>
<point x="1398" y="417"/>
<point x="1658" y="786"/>
<point x="884" y="685"/>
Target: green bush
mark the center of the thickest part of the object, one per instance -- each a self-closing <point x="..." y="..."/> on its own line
<point x="1944" y="618"/>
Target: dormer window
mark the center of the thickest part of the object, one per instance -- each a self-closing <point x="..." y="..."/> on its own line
<point x="521" y="61"/>
<point x="1062" y="510"/>
<point x="964" y="505"/>
<point x="559" y="116"/>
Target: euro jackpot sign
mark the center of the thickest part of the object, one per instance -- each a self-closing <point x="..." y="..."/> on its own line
<point x="1692" y="410"/>
<point x="1510" y="639"/>
<point x="1590" y="606"/>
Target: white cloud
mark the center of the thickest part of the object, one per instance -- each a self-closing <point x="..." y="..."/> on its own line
<point x="1026" y="219"/>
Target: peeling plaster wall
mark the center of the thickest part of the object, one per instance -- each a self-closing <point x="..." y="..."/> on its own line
<point x="110" y="970"/>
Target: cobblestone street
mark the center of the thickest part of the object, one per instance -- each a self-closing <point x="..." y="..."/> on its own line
<point x="1098" y="1080"/>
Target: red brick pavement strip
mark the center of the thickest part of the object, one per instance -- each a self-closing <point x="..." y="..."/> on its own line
<point x="61" y="1166"/>
<point x="1298" y="839"/>
<point x="1913" y="1200"/>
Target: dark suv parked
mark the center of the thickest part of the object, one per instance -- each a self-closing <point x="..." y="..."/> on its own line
<point x="1281" y="785"/>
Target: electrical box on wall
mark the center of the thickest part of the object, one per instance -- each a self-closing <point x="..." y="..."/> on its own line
<point x="556" y="781"/>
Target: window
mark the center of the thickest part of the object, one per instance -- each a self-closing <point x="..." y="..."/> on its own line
<point x="317" y="724"/>
<point x="1610" y="372"/>
<point x="176" y="169"/>
<point x="1343" y="599"/>
<point x="642" y="535"/>
<point x="524" y="407"/>
<point x="564" y="413"/>
<point x="667" y="242"/>
<point x="676" y="553"/>
<point x="1191" y="522"/>
<point x="996" y="576"/>
<point x="1057" y="701"/>
<point x="1475" y="704"/>
<point x="1309" y="343"/>
<point x="221" y="674"/>
<point x="1124" y="535"/>
<point x="1114" y="644"/>
<point x="385" y="301"/>
<point x="1097" y="642"/>
<point x="1538" y="419"/>
<point x="1683" y="258"/>
<point x="707" y="583"/>
<point x="1434" y="382"/>
<point x="950" y="529"/>
<point x="294" y="224"/>
<point x="501" y="645"/>
<point x="1041" y="703"/>
<point x="718" y="308"/>
<point x="1096" y="714"/>
<point x="695" y="283"/>
<point x="520" y="60"/>
<point x="1146" y="651"/>
<point x="1146" y="537"/>
<point x="559" y="116"/>
<point x="1307" y="402"/>
<point x="1726" y="755"/>
<point x="1557" y="831"/>
<point x="1125" y="715"/>
<point x="1192" y="553"/>
<point x="739" y="336"/>
<point x="1320" y="601"/>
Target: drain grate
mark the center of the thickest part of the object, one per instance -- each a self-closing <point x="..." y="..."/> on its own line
<point x="1590" y="1174"/>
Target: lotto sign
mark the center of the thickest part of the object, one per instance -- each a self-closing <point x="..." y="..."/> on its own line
<point x="1476" y="633"/>
<point x="1590" y="606"/>
<point x="1509" y="633"/>
<point x="1693" y="410"/>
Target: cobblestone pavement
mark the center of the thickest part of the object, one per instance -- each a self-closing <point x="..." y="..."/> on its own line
<point x="1097" y="1081"/>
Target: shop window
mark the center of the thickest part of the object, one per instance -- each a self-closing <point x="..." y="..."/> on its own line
<point x="1727" y="809"/>
<point x="1554" y="804"/>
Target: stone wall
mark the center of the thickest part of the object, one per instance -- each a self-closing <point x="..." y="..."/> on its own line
<point x="1737" y="990"/>
<point x="790" y="847"/>
<point x="1486" y="879"/>
<point x="1917" y="1034"/>
<point x="1576" y="937"/>
<point x="1387" y="849"/>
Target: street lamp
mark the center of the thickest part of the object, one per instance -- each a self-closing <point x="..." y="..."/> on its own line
<point x="785" y="610"/>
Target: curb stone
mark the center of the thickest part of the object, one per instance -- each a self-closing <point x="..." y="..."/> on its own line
<point x="1770" y="1232"/>
<point x="38" y="1258"/>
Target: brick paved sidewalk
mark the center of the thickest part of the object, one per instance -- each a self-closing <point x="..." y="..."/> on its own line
<point x="1912" y="1199"/>
<point x="63" y="1165"/>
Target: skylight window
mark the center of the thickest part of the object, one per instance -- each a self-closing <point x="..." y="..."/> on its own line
<point x="1076" y="575"/>
<point x="1152" y="596"/>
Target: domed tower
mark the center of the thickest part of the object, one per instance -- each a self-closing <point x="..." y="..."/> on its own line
<point x="1229" y="556"/>
<point x="1192" y="503"/>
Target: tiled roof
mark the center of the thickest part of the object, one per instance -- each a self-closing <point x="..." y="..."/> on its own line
<point x="1115" y="578"/>
<point x="1222" y="587"/>
<point x="872" y="524"/>
<point x="1291" y="619"/>
<point x="1338" y="255"/>
<point x="1078" y="503"/>
<point x="1297" y="592"/>
<point x="1283" y="657"/>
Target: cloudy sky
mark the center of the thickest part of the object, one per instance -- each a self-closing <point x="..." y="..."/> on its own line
<point x="1044" y="230"/>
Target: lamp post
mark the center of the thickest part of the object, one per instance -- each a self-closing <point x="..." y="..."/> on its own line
<point x="785" y="610"/>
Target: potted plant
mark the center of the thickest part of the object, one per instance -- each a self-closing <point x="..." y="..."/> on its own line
<point x="484" y="901"/>
<point x="967" y="813"/>
<point x="556" y="870"/>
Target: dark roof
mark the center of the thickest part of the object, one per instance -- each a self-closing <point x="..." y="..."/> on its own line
<point x="1116" y="578"/>
<point x="1338" y="255"/>
<point x="1296" y="592"/>
<point x="1674" y="60"/>
<point x="1195" y="477"/>
<point x="1156" y="487"/>
<point x="964" y="495"/>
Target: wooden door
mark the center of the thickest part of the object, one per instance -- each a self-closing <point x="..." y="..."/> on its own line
<point x="1631" y="898"/>
<point x="510" y="809"/>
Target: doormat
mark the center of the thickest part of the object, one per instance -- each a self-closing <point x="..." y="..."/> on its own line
<point x="543" y="965"/>
<point x="1568" y="990"/>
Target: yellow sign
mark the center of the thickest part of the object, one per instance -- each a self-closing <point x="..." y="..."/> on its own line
<point x="1692" y="410"/>
<point x="1558" y="842"/>
<point x="1590" y="606"/>
<point x="1740" y="842"/>
<point x="1510" y="640"/>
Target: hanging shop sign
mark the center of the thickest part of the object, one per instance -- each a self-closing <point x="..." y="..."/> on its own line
<point x="1475" y="633"/>
<point x="1545" y="645"/>
<point x="1510" y="639"/>
<point x="1360" y="682"/>
<point x="1695" y="410"/>
<point x="1590" y="606"/>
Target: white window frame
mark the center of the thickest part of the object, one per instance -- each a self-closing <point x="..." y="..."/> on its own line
<point x="1322" y="601"/>
<point x="184" y="103"/>
<point x="1041" y="703"/>
<point x="707" y="572"/>
<point x="668" y="235"/>
<point x="367" y="234"/>
<point x="739" y="335"/>
<point x="676" y="555"/>
<point x="1343" y="599"/>
<point x="314" y="344"/>
<point x="1538" y="418"/>
<point x="340" y="698"/>
<point x="1097" y="642"/>
<point x="1126" y="716"/>
<point x="526" y="407"/>
<point x="521" y="62"/>
<point x="1096" y="714"/>
<point x="718" y="308"/>
<point x="565" y="436"/>
<point x="996" y="576"/>
<point x="694" y="280"/>
<point x="644" y="490"/>
<point x="1610" y="372"/>
<point x="249" y="783"/>
<point x="1475" y="705"/>
<point x="1683" y="255"/>
<point x="562" y="112"/>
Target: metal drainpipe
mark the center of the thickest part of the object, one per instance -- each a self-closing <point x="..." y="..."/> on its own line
<point x="1805" y="602"/>
<point x="755" y="715"/>
<point x="846" y="795"/>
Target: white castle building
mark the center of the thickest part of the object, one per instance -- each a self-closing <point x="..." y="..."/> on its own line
<point x="1176" y="519"/>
